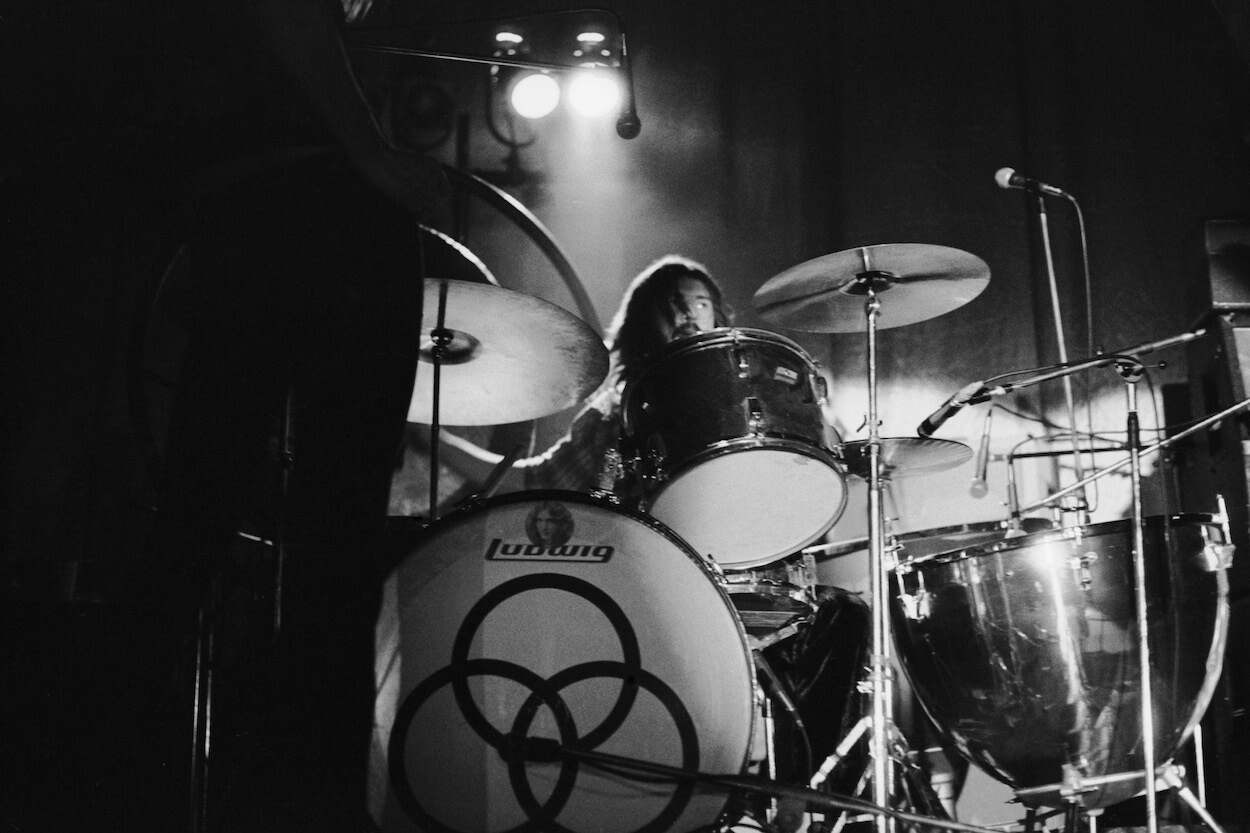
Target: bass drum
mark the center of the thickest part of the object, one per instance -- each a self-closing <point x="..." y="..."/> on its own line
<point x="1024" y="651"/>
<point x="734" y="448"/>
<point x="556" y="616"/>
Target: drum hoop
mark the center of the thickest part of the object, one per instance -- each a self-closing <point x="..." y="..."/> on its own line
<point x="731" y="335"/>
<point x="768" y="588"/>
<point x="720" y="449"/>
<point x="586" y="499"/>
<point x="955" y="529"/>
<point x="1054" y="536"/>
<point x="768" y="441"/>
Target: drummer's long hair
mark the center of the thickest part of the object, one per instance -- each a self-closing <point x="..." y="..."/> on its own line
<point x="632" y="337"/>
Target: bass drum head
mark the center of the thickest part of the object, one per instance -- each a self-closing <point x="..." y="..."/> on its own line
<point x="556" y="616"/>
<point x="795" y="495"/>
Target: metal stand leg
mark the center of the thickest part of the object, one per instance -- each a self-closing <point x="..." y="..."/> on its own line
<point x="1171" y="779"/>
<point x="202" y="711"/>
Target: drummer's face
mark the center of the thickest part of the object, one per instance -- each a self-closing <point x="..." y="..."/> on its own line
<point x="688" y="311"/>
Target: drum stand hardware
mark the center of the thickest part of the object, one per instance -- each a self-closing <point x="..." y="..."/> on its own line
<point x="824" y="295"/>
<point x="1168" y="777"/>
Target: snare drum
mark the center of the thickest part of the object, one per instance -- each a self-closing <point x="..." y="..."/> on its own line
<point x="733" y="445"/>
<point x="602" y="633"/>
<point x="770" y="598"/>
<point x="1024" y="651"/>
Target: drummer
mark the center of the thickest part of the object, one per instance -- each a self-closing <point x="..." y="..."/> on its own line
<point x="674" y="297"/>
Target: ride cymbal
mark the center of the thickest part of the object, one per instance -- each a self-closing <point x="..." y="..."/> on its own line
<point x="906" y="456"/>
<point x="913" y="281"/>
<point x="508" y="356"/>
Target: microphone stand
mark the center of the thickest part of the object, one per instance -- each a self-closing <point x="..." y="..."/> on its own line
<point x="1078" y="471"/>
<point x="1132" y="375"/>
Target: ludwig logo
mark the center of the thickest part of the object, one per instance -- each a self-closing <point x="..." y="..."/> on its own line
<point x="549" y="528"/>
<point x="499" y="550"/>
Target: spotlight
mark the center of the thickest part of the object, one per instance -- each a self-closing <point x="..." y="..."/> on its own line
<point x="534" y="96"/>
<point x="594" y="92"/>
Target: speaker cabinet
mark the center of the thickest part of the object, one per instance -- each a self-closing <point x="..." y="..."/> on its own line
<point x="1227" y="250"/>
<point x="1216" y="460"/>
<point x="1210" y="462"/>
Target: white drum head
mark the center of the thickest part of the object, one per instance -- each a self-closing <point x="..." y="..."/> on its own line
<point x="611" y="637"/>
<point x="752" y="506"/>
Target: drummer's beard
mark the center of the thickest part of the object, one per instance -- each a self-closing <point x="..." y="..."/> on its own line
<point x="685" y="330"/>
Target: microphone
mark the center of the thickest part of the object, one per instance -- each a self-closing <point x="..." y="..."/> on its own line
<point x="978" y="488"/>
<point x="948" y="409"/>
<point x="1009" y="178"/>
<point x="628" y="125"/>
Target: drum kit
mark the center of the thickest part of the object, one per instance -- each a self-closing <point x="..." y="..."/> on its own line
<point x="555" y="661"/>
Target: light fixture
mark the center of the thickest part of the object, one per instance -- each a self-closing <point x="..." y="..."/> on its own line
<point x="535" y="95"/>
<point x="594" y="92"/>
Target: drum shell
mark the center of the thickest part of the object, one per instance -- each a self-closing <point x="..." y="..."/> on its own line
<point x="1024" y="652"/>
<point x="733" y="449"/>
<point x="448" y="612"/>
<point x="691" y="396"/>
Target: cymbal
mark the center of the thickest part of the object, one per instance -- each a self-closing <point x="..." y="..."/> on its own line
<point x="913" y="281"/>
<point x="906" y="456"/>
<point x="511" y="356"/>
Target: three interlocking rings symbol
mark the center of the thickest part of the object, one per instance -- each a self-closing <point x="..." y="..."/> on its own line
<point x="543" y="692"/>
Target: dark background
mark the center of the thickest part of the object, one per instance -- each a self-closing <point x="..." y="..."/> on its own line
<point x="772" y="133"/>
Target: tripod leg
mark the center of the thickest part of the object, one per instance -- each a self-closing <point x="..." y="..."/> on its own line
<point x="1171" y="779"/>
<point x="843" y="749"/>
<point x="1072" y="818"/>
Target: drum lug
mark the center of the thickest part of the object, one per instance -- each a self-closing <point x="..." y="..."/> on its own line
<point x="1080" y="565"/>
<point x="1216" y="555"/>
<point x="654" y="461"/>
<point x="756" y="421"/>
<point x="1219" y="556"/>
<point x="915" y="605"/>
<point x="606" y="495"/>
<point x="739" y="358"/>
<point x="822" y="390"/>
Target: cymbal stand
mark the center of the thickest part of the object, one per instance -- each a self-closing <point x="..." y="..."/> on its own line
<point x="881" y="670"/>
<point x="441" y="338"/>
<point x="882" y="673"/>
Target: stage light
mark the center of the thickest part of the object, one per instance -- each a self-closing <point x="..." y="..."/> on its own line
<point x="534" y="96"/>
<point x="594" y="92"/>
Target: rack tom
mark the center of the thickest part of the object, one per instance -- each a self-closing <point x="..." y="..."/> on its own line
<point x="733" y="446"/>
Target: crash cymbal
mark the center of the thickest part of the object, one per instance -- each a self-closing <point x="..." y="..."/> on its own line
<point x="906" y="456"/>
<point x="511" y="357"/>
<point x="913" y="281"/>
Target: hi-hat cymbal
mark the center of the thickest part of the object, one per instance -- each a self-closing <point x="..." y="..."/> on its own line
<point x="913" y="281"/>
<point x="511" y="357"/>
<point x="906" y="456"/>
